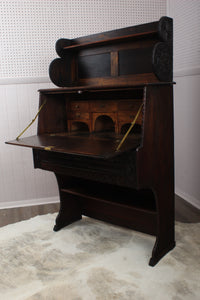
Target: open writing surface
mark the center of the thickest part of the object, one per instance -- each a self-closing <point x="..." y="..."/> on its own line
<point x="92" y="145"/>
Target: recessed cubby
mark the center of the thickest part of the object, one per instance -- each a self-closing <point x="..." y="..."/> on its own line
<point x="79" y="127"/>
<point x="104" y="123"/>
<point x="137" y="128"/>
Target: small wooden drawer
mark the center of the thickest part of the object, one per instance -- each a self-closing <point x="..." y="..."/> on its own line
<point x="79" y="106"/>
<point x="128" y="105"/>
<point x="126" y="116"/>
<point x="76" y="115"/>
<point x="103" y="106"/>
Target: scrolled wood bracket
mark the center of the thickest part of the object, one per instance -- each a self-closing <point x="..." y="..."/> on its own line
<point x="162" y="61"/>
<point x="60" y="68"/>
<point x="165" y="29"/>
<point x="60" y="44"/>
<point x="162" y="56"/>
<point x="59" y="71"/>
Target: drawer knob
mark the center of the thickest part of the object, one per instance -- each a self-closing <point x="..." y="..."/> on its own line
<point x="76" y="106"/>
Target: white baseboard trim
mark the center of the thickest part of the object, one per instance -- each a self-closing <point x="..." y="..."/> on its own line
<point x="30" y="202"/>
<point x="24" y="80"/>
<point x="41" y="201"/>
<point x="190" y="199"/>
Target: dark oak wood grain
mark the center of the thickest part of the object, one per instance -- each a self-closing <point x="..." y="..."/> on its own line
<point x="103" y="80"/>
<point x="92" y="145"/>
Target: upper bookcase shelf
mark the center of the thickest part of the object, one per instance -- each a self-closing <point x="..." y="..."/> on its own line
<point x="134" y="55"/>
<point x="108" y="41"/>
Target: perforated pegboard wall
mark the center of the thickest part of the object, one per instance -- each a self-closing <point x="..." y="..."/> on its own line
<point x="30" y="28"/>
<point x="186" y="15"/>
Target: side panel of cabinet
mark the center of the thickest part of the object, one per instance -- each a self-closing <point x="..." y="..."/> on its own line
<point x="52" y="117"/>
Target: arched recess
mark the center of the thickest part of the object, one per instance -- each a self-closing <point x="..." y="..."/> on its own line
<point x="137" y="128"/>
<point x="104" y="123"/>
<point x="79" y="127"/>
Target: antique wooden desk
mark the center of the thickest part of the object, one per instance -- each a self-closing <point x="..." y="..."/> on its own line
<point x="104" y="79"/>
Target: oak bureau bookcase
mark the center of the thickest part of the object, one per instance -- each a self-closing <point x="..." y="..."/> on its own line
<point x="107" y="130"/>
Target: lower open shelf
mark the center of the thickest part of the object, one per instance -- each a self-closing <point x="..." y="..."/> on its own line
<point x="124" y="207"/>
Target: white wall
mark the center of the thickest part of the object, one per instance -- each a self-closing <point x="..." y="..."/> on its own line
<point x="19" y="181"/>
<point x="186" y="15"/>
<point x="29" y="30"/>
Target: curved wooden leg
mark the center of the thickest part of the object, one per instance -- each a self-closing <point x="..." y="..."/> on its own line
<point x="165" y="240"/>
<point x="160" y="249"/>
<point x="70" y="210"/>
